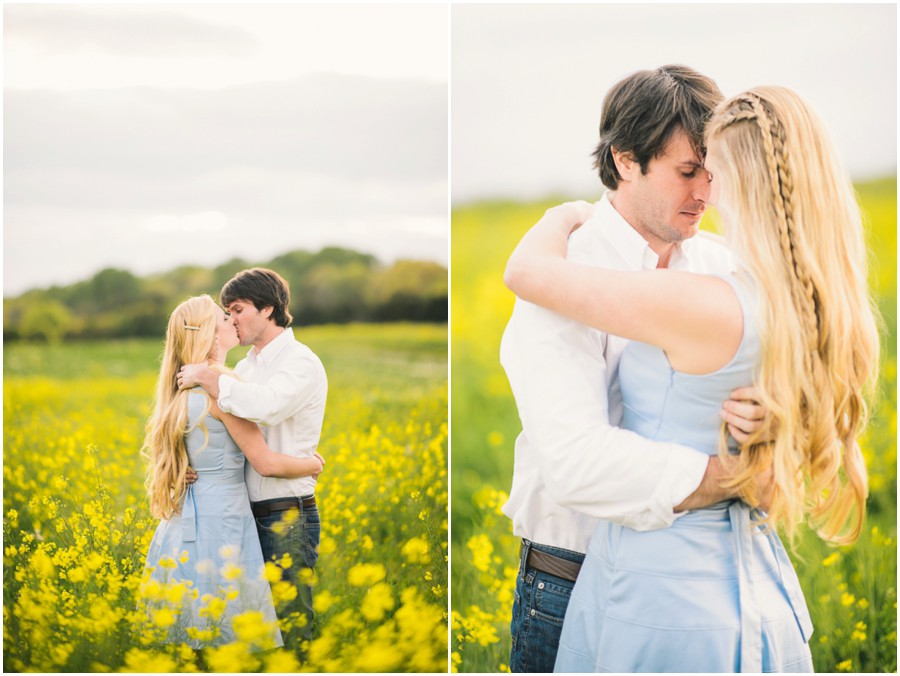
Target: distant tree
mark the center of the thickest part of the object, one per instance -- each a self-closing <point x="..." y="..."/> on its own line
<point x="47" y="320"/>
<point x="111" y="288"/>
<point x="413" y="290"/>
<point x="182" y="282"/>
<point x="331" y="293"/>
<point x="222" y="273"/>
<point x="332" y="285"/>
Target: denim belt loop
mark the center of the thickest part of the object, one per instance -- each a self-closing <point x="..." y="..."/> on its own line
<point x="524" y="548"/>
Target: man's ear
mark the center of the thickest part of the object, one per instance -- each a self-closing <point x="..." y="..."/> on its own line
<point x="626" y="165"/>
<point x="268" y="311"/>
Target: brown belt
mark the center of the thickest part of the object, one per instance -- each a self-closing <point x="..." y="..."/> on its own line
<point x="263" y="509"/>
<point x="554" y="565"/>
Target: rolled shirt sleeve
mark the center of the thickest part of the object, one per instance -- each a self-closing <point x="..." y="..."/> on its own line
<point x="559" y="375"/>
<point x="280" y="397"/>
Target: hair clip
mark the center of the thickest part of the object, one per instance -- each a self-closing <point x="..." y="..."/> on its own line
<point x="188" y="327"/>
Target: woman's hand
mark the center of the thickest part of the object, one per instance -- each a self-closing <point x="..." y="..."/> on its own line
<point x="743" y="413"/>
<point x="546" y="241"/>
<point x="567" y="217"/>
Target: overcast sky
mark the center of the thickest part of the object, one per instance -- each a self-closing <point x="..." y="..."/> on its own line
<point x="528" y="81"/>
<point x="150" y="136"/>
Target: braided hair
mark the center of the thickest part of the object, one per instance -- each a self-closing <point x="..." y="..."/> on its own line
<point x="792" y="218"/>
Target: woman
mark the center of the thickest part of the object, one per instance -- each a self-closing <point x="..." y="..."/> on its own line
<point x="204" y="566"/>
<point x="716" y="591"/>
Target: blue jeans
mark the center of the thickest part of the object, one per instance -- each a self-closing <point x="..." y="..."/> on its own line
<point x="539" y="608"/>
<point x="300" y="540"/>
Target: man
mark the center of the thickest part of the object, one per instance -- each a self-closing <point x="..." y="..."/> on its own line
<point x="280" y="385"/>
<point x="572" y="465"/>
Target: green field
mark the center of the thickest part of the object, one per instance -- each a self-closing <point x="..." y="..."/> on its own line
<point x="851" y="591"/>
<point x="76" y="526"/>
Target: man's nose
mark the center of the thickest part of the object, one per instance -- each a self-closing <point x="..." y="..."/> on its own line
<point x="702" y="187"/>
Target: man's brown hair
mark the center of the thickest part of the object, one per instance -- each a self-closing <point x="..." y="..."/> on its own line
<point x="263" y="288"/>
<point x="642" y="111"/>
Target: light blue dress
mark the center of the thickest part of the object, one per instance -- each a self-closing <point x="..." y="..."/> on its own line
<point x="211" y="547"/>
<point x="711" y="593"/>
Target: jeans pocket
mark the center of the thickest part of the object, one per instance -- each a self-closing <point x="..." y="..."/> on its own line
<point x="551" y="598"/>
<point x="538" y="611"/>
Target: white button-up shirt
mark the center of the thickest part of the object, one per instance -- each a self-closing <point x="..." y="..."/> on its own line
<point x="282" y="388"/>
<point x="573" y="466"/>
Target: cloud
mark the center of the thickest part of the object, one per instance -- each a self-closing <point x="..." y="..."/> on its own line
<point x="130" y="31"/>
<point x="337" y="124"/>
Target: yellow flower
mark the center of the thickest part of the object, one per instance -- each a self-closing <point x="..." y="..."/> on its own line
<point x="77" y="574"/>
<point x="482" y="549"/>
<point x="231" y="571"/>
<point x="167" y="562"/>
<point x="212" y="607"/>
<point x="140" y="661"/>
<point x="203" y="635"/>
<point x="174" y="593"/>
<point x="94" y="561"/>
<point x="847" y="599"/>
<point x="323" y="600"/>
<point x="283" y="592"/>
<point x="42" y="565"/>
<point x="151" y="589"/>
<point x="231" y="657"/>
<point x="60" y="653"/>
<point x="846" y="665"/>
<point x="377" y="601"/>
<point x="163" y="617"/>
<point x="378" y="658"/>
<point x="282" y="662"/>
<point x="272" y="572"/>
<point x="364" y="574"/>
<point x="416" y="551"/>
<point x="251" y="627"/>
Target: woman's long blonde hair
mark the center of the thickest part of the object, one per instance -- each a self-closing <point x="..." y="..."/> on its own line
<point x="190" y="339"/>
<point x="796" y="227"/>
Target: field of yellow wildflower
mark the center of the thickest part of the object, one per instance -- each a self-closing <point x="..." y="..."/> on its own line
<point x="76" y="525"/>
<point x="851" y="591"/>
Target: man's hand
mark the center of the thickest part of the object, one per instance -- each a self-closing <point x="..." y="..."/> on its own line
<point x="191" y="375"/>
<point x="743" y="413"/>
<point x="712" y="491"/>
<point x="322" y="460"/>
<point x="190" y="477"/>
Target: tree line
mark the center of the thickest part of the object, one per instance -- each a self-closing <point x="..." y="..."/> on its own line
<point x="335" y="285"/>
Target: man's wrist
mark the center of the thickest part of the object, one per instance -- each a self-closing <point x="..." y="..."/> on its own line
<point x="710" y="490"/>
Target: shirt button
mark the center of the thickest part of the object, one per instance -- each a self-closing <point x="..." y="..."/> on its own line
<point x="540" y="585"/>
<point x="532" y="612"/>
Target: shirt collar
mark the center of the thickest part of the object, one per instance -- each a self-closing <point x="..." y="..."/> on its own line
<point x="629" y="243"/>
<point x="273" y="349"/>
